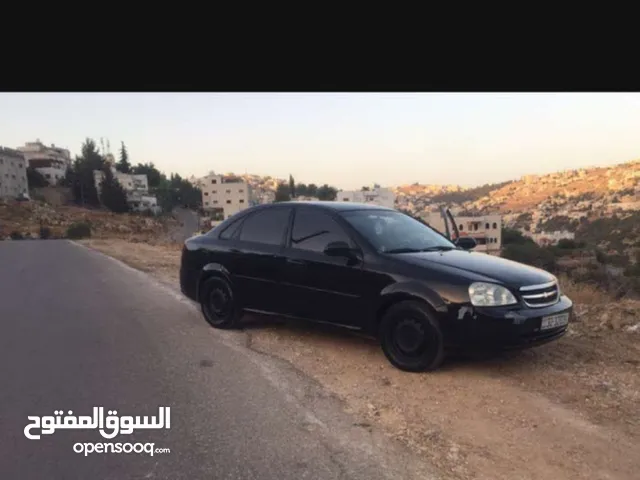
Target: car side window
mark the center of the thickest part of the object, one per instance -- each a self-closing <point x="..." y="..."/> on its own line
<point x="314" y="230"/>
<point x="230" y="230"/>
<point x="266" y="226"/>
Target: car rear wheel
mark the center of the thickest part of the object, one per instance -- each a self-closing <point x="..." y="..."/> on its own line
<point x="218" y="303"/>
<point x="411" y="338"/>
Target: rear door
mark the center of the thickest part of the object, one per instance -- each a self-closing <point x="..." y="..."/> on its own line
<point x="258" y="258"/>
<point x="318" y="286"/>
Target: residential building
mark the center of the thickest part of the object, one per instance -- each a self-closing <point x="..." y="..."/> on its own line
<point x="486" y="230"/>
<point x="136" y="187"/>
<point x="550" y="238"/>
<point x="225" y="195"/>
<point x="383" y="197"/>
<point x="13" y="173"/>
<point x="141" y="203"/>
<point x="50" y="161"/>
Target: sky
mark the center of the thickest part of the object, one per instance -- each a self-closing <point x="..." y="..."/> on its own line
<point x="344" y="139"/>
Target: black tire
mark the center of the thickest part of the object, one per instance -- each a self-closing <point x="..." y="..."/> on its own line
<point x="218" y="304"/>
<point x="411" y="338"/>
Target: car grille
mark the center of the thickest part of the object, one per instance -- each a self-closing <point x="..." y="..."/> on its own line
<point x="543" y="295"/>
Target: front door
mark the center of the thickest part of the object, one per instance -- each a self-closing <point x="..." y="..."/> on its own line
<point x="321" y="287"/>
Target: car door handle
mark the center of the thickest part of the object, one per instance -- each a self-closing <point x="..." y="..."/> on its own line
<point x="294" y="261"/>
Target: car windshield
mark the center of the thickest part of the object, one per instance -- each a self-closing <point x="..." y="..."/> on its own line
<point x="390" y="231"/>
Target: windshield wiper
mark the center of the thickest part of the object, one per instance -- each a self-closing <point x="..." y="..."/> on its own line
<point x="439" y="248"/>
<point x="403" y="250"/>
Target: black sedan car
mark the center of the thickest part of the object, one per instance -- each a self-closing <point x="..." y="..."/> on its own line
<point x="373" y="269"/>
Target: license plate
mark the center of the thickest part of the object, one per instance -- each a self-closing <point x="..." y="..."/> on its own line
<point x="554" y="321"/>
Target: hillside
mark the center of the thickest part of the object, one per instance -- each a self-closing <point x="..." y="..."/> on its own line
<point x="26" y="218"/>
<point x="576" y="193"/>
<point x="573" y="192"/>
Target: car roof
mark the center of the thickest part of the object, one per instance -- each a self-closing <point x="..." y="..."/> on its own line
<point x="331" y="205"/>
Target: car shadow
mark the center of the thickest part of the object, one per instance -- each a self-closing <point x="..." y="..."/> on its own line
<point x="323" y="332"/>
<point x="256" y="321"/>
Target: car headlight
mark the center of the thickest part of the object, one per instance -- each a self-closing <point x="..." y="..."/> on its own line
<point x="490" y="295"/>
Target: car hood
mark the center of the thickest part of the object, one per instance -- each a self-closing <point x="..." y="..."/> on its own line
<point x="500" y="269"/>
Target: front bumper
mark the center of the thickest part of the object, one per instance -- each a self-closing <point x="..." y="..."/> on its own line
<point x="505" y="328"/>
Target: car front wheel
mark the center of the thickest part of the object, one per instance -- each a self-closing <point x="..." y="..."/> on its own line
<point x="411" y="338"/>
<point x="218" y="303"/>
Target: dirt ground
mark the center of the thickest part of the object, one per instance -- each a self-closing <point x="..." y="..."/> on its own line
<point x="568" y="410"/>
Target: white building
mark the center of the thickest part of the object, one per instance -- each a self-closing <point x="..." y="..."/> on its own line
<point x="486" y="230"/>
<point x="550" y="238"/>
<point x="383" y="197"/>
<point x="142" y="203"/>
<point x="13" y="173"/>
<point x="224" y="195"/>
<point x="52" y="162"/>
<point x="136" y="187"/>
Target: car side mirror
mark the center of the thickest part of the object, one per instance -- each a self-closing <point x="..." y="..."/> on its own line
<point x="466" y="243"/>
<point x="339" y="249"/>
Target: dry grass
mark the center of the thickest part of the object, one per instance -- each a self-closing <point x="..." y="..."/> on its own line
<point x="583" y="293"/>
<point x="161" y="260"/>
<point x="568" y="410"/>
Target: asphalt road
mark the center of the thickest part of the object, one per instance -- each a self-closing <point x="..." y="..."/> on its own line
<point x="80" y="330"/>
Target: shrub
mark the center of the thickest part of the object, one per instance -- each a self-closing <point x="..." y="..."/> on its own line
<point x="45" y="233"/>
<point x="567" y="244"/>
<point x="79" y="230"/>
<point x="531" y="254"/>
<point x="16" y="236"/>
<point x="601" y="257"/>
<point x="511" y="236"/>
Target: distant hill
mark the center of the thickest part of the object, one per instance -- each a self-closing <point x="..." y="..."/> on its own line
<point x="599" y="205"/>
<point x="470" y="194"/>
<point x="573" y="193"/>
<point x="601" y="187"/>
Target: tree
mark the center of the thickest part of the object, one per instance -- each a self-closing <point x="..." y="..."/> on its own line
<point x="292" y="187"/>
<point x="154" y="176"/>
<point x="123" y="164"/>
<point x="177" y="191"/>
<point x="567" y="244"/>
<point x="69" y="178"/>
<point x="511" y="236"/>
<point x="112" y="195"/>
<point x="531" y="254"/>
<point x="84" y="187"/>
<point x="35" y="179"/>
<point x="282" y="193"/>
<point x="312" y="190"/>
<point x="325" y="192"/>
